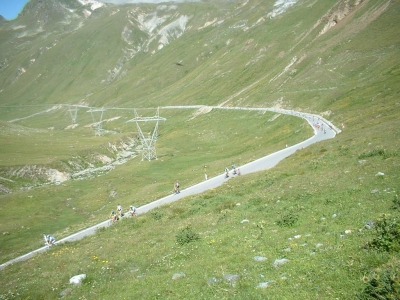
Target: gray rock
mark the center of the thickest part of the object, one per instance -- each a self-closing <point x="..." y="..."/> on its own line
<point x="77" y="279"/>
<point x="260" y="258"/>
<point x="178" y="275"/>
<point x="231" y="279"/>
<point x="213" y="280"/>
<point x="65" y="292"/>
<point x="374" y="191"/>
<point x="369" y="224"/>
<point x="263" y="285"/>
<point x="280" y="262"/>
<point x="134" y="269"/>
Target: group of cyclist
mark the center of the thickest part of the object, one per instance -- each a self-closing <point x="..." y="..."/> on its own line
<point x="115" y="216"/>
<point x="235" y="171"/>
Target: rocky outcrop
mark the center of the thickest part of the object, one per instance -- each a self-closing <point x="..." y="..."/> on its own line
<point x="77" y="167"/>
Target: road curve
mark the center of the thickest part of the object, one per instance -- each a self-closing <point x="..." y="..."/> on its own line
<point x="325" y="130"/>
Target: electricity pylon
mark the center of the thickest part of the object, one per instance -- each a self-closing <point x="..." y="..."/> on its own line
<point x="73" y="111"/>
<point x="97" y="124"/>
<point x="148" y="142"/>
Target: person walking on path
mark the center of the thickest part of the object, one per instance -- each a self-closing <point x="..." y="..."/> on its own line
<point x="176" y="187"/>
<point x="226" y="172"/>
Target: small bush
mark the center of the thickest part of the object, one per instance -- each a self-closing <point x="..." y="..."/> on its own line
<point x="268" y="182"/>
<point x="288" y="220"/>
<point x="178" y="211"/>
<point x="377" y="152"/>
<point x="382" y="284"/>
<point x="157" y="214"/>
<point x="387" y="231"/>
<point x="256" y="201"/>
<point x="225" y="204"/>
<point x="186" y="235"/>
<point x="396" y="202"/>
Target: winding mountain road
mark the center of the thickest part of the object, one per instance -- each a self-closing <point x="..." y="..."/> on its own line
<point x="323" y="130"/>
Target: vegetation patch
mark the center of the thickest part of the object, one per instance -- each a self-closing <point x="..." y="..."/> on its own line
<point x="378" y="152"/>
<point x="157" y="214"/>
<point x="383" y="283"/>
<point x="387" y="234"/>
<point x="288" y="219"/>
<point x="186" y="235"/>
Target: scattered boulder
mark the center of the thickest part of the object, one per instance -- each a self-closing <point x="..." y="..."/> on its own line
<point x="369" y="224"/>
<point x="231" y="279"/>
<point x="280" y="262"/>
<point x="77" y="279"/>
<point x="244" y="221"/>
<point x="65" y="292"/>
<point x="380" y="174"/>
<point x="260" y="258"/>
<point x="263" y="285"/>
<point x="134" y="269"/>
<point x="178" y="275"/>
<point x="213" y="280"/>
<point x="4" y="189"/>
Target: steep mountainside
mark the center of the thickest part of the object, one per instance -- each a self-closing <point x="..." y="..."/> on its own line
<point x="61" y="51"/>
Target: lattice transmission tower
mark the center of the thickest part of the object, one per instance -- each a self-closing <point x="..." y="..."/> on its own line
<point x="97" y="124"/>
<point x="149" y="141"/>
<point x="73" y="111"/>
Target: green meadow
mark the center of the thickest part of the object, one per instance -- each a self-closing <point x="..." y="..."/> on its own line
<point x="184" y="147"/>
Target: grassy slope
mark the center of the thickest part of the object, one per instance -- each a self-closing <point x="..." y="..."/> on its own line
<point x="217" y="141"/>
<point x="137" y="257"/>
